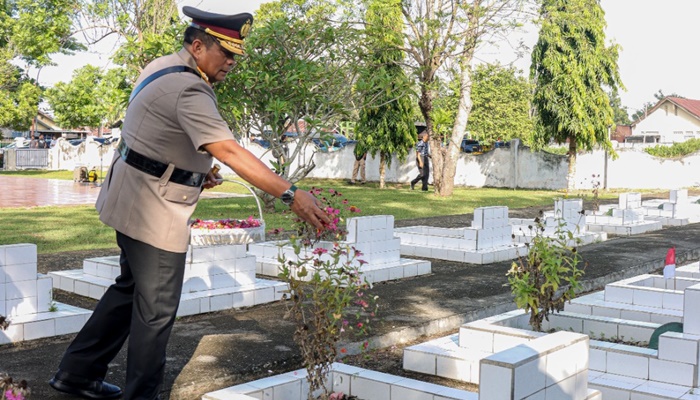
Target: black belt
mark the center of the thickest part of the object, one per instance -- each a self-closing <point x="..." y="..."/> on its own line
<point x="157" y="168"/>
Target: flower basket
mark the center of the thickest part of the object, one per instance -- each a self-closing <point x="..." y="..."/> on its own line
<point x="229" y="231"/>
<point x="215" y="237"/>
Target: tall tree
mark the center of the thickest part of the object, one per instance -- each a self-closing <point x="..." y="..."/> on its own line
<point x="448" y="32"/>
<point x="144" y="29"/>
<point x="300" y="67"/>
<point x="501" y="97"/>
<point x="30" y="32"/>
<point x="620" y="112"/>
<point x="76" y="104"/>
<point x="571" y="68"/>
<point x="386" y="125"/>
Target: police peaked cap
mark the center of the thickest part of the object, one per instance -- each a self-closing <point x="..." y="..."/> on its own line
<point x="229" y="30"/>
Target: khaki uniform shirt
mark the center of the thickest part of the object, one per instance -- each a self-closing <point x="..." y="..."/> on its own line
<point x="168" y="121"/>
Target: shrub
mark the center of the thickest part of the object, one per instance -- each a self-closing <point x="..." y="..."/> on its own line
<point x="675" y="150"/>
<point x="548" y="276"/>
<point x="327" y="297"/>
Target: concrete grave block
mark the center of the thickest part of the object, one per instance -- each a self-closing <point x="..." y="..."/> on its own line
<point x="22" y="253"/>
<point x="691" y="315"/>
<point x="20" y="272"/>
<point x="679" y="347"/>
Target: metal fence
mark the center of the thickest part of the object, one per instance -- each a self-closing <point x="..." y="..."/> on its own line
<point x="14" y="159"/>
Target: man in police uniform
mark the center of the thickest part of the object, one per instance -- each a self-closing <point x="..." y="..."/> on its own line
<point x="171" y="131"/>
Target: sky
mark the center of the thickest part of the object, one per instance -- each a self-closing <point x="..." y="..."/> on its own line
<point x="657" y="40"/>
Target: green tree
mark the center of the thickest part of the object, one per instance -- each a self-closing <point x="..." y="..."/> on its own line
<point x="19" y="95"/>
<point x="501" y="97"/>
<point x="571" y="67"/>
<point x="30" y="32"/>
<point x="642" y="112"/>
<point x="621" y="117"/>
<point x="298" y="67"/>
<point x="145" y="29"/>
<point x="386" y="125"/>
<point x="79" y="102"/>
<point x="441" y="34"/>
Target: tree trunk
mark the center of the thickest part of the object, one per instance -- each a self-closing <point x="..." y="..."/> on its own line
<point x="450" y="153"/>
<point x="382" y="171"/>
<point x="426" y="107"/>
<point x="268" y="200"/>
<point x="571" y="175"/>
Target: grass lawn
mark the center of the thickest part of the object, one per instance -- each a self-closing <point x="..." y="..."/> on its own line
<point x="68" y="228"/>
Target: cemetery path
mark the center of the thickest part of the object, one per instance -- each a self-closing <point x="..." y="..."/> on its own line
<point x="212" y="351"/>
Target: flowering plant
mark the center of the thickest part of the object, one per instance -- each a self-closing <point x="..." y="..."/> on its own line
<point x="250" y="222"/>
<point x="328" y="296"/>
<point x="337" y="208"/>
<point x="10" y="390"/>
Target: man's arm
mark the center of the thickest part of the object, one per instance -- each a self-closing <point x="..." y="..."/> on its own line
<point x="252" y="170"/>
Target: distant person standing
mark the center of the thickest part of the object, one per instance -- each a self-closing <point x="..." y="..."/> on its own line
<point x="34" y="143"/>
<point x="42" y="143"/>
<point x="422" y="162"/>
<point x="360" y="158"/>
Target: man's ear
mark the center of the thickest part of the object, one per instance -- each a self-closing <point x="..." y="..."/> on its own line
<point x="197" y="47"/>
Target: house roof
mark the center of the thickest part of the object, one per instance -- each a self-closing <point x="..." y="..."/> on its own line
<point x="691" y="106"/>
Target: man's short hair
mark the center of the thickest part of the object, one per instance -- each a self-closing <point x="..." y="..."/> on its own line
<point x="192" y="33"/>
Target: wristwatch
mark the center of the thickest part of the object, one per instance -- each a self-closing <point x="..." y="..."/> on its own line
<point x="288" y="196"/>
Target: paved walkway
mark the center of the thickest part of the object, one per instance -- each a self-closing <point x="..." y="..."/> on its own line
<point x="36" y="192"/>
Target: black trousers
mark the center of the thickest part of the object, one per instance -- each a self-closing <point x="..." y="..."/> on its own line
<point x="423" y="173"/>
<point x="140" y="305"/>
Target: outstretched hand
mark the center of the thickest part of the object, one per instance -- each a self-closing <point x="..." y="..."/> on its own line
<point x="213" y="179"/>
<point x="308" y="208"/>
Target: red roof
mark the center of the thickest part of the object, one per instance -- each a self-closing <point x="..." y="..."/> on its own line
<point x="692" y="106"/>
<point x="689" y="105"/>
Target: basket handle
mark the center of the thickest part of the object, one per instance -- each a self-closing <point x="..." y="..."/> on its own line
<point x="252" y="192"/>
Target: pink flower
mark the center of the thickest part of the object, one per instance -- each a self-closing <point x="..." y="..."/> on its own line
<point x="319" y="250"/>
<point x="9" y="395"/>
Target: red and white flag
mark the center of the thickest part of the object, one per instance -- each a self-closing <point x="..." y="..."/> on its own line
<point x="670" y="267"/>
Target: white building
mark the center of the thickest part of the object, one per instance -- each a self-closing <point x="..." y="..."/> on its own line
<point x="671" y="120"/>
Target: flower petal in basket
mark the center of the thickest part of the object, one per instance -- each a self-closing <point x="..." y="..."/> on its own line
<point x="214" y="237"/>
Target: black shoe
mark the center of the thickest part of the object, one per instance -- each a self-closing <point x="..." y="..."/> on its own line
<point x="84" y="387"/>
<point x="413" y="186"/>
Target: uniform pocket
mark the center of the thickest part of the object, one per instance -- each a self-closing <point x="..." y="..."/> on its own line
<point x="180" y="194"/>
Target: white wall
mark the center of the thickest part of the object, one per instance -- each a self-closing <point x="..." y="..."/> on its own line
<point x="502" y="167"/>
<point x="65" y="156"/>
